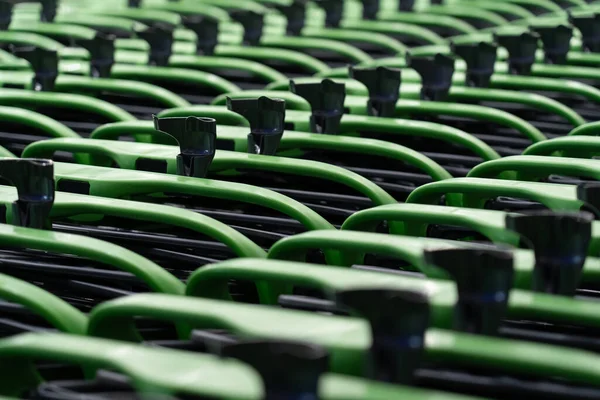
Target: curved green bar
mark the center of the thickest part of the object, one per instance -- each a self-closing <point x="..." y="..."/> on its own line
<point x="25" y="38"/>
<point x="568" y="146"/>
<point x="534" y="168"/>
<point x="215" y="63"/>
<point x="27" y="98"/>
<point x="467" y="12"/>
<point x="415" y="219"/>
<point x="373" y="38"/>
<point x="354" y="246"/>
<point x="303" y="43"/>
<point x="289" y="141"/>
<point x="310" y="64"/>
<point x="533" y="100"/>
<point x="476" y="191"/>
<point x="125" y="154"/>
<point x="406" y="107"/>
<point x="57" y="312"/>
<point x="156" y="277"/>
<point x="352" y="124"/>
<point x="292" y="101"/>
<point x="210" y="281"/>
<point x="32" y="119"/>
<point x="152" y="370"/>
<point x="221" y="114"/>
<point x="427" y="20"/>
<point x="590" y="129"/>
<point x="71" y="83"/>
<point x="175" y="75"/>
<point x="394" y="27"/>
<point x="71" y="205"/>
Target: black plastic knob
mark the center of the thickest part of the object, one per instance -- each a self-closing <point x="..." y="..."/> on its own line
<point x="196" y="138"/>
<point x="44" y="64"/>
<point x="207" y="32"/>
<point x="406" y="5"/>
<point x="398" y="322"/>
<point x="480" y="58"/>
<point x="266" y="117"/>
<point x="289" y="370"/>
<point x="521" y="49"/>
<point x="34" y="180"/>
<point x="436" y="75"/>
<point x="102" y="53"/>
<point x="253" y="24"/>
<point x="589" y="26"/>
<point x="334" y="11"/>
<point x="483" y="279"/>
<point x="589" y="192"/>
<point x="384" y="88"/>
<point x="556" y="41"/>
<point x="49" y="10"/>
<point x="560" y="242"/>
<point x="160" y="38"/>
<point x="295" y="14"/>
<point x="327" y="103"/>
<point x="370" y="9"/>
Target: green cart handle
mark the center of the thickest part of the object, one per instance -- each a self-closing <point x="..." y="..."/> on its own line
<point x="6" y="154"/>
<point x="427" y="20"/>
<point x="408" y="30"/>
<point x="568" y="146"/>
<point x="378" y="39"/>
<point x="35" y="120"/>
<point x="108" y="182"/>
<point x="292" y="100"/>
<point x="499" y="7"/>
<point x="25" y="38"/>
<point x="67" y="205"/>
<point x="468" y="13"/>
<point x="309" y="64"/>
<point x="290" y="141"/>
<point x="126" y="154"/>
<point x="535" y="168"/>
<point x="415" y="219"/>
<point x="173" y="75"/>
<point x="506" y="96"/>
<point x="221" y="114"/>
<point x="210" y="281"/>
<point x="476" y="191"/>
<point x="57" y="312"/>
<point x="152" y="370"/>
<point x="355" y="245"/>
<point x="348" y="339"/>
<point x="156" y="277"/>
<point x="590" y="129"/>
<point x="214" y="63"/>
<point x="548" y="6"/>
<point x="31" y="99"/>
<point x="85" y="85"/>
<point x="351" y="125"/>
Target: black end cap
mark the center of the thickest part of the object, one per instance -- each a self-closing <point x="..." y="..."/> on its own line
<point x="253" y="24"/>
<point x="484" y="278"/>
<point x="206" y="30"/>
<point x="34" y="180"/>
<point x="160" y="39"/>
<point x="44" y="64"/>
<point x="436" y="74"/>
<point x="398" y="322"/>
<point x="384" y="88"/>
<point x="196" y="137"/>
<point x="289" y="370"/>
<point x="556" y="41"/>
<point x="295" y="14"/>
<point x="560" y="241"/>
<point x="521" y="49"/>
<point x="480" y="58"/>
<point x="370" y="9"/>
<point x="589" y="26"/>
<point x="406" y="5"/>
<point x="334" y="11"/>
<point x="327" y="103"/>
<point x="266" y="117"/>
